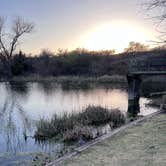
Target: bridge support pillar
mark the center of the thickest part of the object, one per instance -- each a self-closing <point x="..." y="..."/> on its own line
<point x="134" y="82"/>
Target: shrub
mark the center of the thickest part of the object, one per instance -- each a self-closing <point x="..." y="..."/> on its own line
<point x="80" y="125"/>
<point x="45" y="130"/>
<point x="65" y="122"/>
<point x="95" y="116"/>
<point x="117" y="118"/>
<point x="56" y="126"/>
<point x="20" y="65"/>
<point x="78" y="132"/>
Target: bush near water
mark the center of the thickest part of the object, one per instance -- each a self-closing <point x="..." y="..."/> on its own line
<point x="72" y="127"/>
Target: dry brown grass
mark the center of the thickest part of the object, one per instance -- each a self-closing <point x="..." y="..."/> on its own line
<point x="141" y="145"/>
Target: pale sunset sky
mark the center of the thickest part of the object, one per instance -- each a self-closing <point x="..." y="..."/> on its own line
<point x="90" y="24"/>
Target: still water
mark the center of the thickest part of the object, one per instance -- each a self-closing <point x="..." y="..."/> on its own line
<point x="23" y="104"/>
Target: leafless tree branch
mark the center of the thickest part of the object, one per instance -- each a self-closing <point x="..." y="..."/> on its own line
<point x="19" y="28"/>
<point x="157" y="10"/>
<point x="2" y="45"/>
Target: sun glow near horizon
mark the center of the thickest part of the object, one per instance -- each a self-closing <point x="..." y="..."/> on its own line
<point x="115" y="35"/>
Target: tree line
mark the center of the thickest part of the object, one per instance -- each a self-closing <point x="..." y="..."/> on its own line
<point x="74" y="63"/>
<point x="77" y="62"/>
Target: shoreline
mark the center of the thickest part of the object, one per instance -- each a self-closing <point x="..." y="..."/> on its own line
<point x="36" y="78"/>
<point x="92" y="143"/>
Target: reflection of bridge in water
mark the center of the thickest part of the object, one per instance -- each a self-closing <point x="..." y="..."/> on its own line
<point x="134" y="79"/>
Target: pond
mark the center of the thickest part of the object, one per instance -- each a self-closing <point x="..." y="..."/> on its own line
<point x="23" y="104"/>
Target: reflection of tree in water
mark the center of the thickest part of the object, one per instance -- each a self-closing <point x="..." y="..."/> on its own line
<point x="47" y="87"/>
<point x="13" y="123"/>
<point x="20" y="88"/>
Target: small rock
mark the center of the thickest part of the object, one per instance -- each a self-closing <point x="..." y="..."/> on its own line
<point x="104" y="129"/>
<point x="94" y="132"/>
<point x="81" y="142"/>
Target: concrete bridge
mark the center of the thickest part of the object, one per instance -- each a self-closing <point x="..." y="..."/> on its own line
<point x="134" y="81"/>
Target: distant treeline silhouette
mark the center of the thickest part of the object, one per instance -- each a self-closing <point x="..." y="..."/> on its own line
<point x="78" y="62"/>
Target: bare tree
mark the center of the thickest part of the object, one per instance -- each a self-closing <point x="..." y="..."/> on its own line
<point x="157" y="11"/>
<point x="9" y="41"/>
<point x="159" y="5"/>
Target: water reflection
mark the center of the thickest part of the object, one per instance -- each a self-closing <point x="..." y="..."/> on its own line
<point x="13" y="123"/>
<point x="20" y="88"/>
<point x="22" y="104"/>
<point x="47" y="87"/>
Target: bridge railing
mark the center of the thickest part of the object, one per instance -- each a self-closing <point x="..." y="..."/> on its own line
<point x="148" y="64"/>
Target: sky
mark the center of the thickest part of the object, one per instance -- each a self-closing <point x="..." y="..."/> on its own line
<point x="90" y="24"/>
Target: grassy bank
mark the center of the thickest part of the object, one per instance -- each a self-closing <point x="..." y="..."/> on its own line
<point x="60" y="79"/>
<point x="143" y="144"/>
<point x="83" y="125"/>
<point x="75" y="82"/>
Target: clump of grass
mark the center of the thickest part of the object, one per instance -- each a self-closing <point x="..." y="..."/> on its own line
<point x="84" y="132"/>
<point x="117" y="118"/>
<point x="74" y="126"/>
<point x="96" y="116"/>
<point x="112" y="79"/>
<point x="56" y="126"/>
<point x="45" y="130"/>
